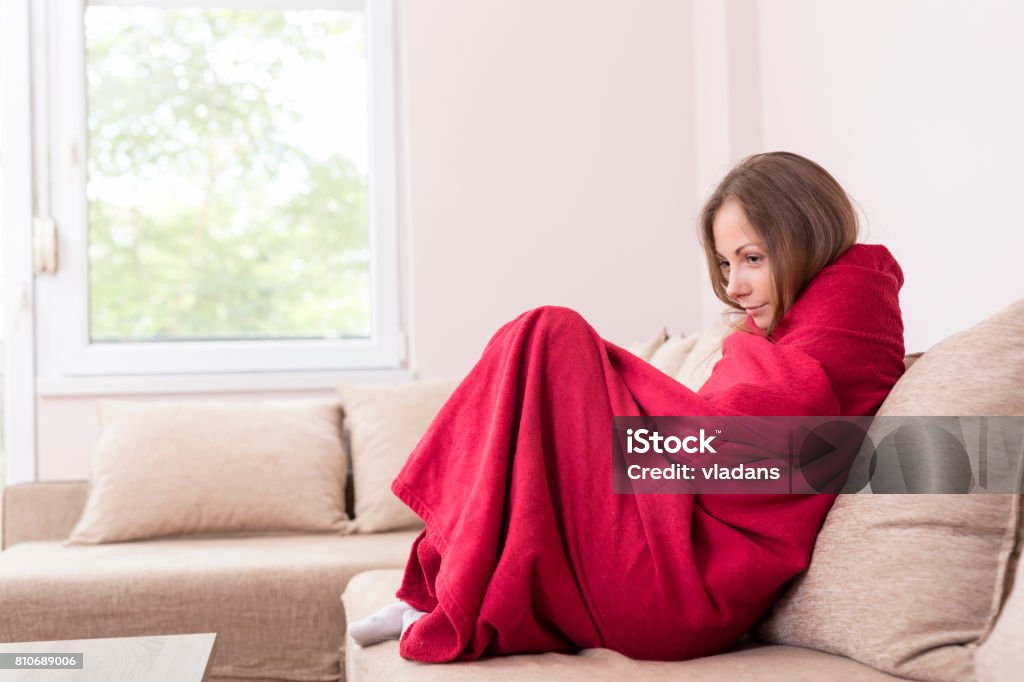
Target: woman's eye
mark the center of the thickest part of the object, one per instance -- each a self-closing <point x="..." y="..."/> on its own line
<point x="724" y="264"/>
<point x="754" y="260"/>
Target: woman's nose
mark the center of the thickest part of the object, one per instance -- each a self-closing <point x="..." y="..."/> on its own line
<point x="735" y="286"/>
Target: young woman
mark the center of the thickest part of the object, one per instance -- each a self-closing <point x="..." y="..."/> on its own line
<point x="527" y="549"/>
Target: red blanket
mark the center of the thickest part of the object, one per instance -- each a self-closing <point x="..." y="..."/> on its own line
<point x="526" y="548"/>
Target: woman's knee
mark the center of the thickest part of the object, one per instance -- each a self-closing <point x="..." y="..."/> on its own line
<point x="560" y="316"/>
<point x="560" y="322"/>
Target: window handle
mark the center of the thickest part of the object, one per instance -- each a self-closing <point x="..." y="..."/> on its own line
<point x="74" y="157"/>
<point x="44" y="242"/>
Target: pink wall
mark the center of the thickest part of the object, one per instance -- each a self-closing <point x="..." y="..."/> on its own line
<point x="915" y="107"/>
<point x="550" y="161"/>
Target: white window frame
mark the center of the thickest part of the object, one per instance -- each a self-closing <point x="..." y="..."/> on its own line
<point x="69" y="364"/>
<point x="19" y="351"/>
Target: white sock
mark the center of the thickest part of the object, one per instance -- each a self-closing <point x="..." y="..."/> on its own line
<point x="410" y="617"/>
<point x="386" y="624"/>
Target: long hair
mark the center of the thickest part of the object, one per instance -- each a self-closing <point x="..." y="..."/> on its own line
<point x="804" y="217"/>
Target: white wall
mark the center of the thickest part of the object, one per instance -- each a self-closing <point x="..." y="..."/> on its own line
<point x="916" y="108"/>
<point x="550" y="162"/>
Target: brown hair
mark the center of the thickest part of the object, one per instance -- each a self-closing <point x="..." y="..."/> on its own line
<point x="804" y="217"/>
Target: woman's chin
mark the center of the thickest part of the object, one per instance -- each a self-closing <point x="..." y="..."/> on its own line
<point x="761" y="320"/>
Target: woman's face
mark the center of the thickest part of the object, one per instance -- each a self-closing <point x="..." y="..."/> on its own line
<point x="744" y="262"/>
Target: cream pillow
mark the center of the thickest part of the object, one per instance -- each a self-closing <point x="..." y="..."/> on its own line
<point x="383" y="424"/>
<point x="670" y="355"/>
<point x="909" y="584"/>
<point x="707" y="350"/>
<point x="645" y="349"/>
<point x="688" y="359"/>
<point x="196" y="467"/>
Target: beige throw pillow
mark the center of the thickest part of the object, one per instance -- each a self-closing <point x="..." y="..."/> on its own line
<point x="909" y="584"/>
<point x="1000" y="657"/>
<point x="687" y="359"/>
<point x="904" y="583"/>
<point x="670" y="355"/>
<point x="383" y="424"/>
<point x="645" y="349"/>
<point x="175" y="467"/>
<point x="707" y="350"/>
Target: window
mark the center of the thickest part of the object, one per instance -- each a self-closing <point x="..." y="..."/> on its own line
<point x="226" y="185"/>
<point x="221" y="178"/>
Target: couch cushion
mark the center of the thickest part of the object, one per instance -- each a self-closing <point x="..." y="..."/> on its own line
<point x="670" y="355"/>
<point x="274" y="601"/>
<point x="379" y="663"/>
<point x="910" y="583"/>
<point x="707" y="350"/>
<point x="905" y="583"/>
<point x="177" y="467"/>
<point x="645" y="349"/>
<point x="688" y="359"/>
<point x="383" y="424"/>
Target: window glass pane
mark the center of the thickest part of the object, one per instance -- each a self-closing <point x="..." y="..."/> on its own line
<point x="228" y="158"/>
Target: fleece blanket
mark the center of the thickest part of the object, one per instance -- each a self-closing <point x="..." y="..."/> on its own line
<point x="527" y="549"/>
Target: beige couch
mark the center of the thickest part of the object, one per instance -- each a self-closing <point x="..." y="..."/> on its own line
<point x="274" y="602"/>
<point x="279" y="603"/>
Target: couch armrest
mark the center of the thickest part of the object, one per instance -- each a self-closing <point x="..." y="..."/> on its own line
<point x="42" y="511"/>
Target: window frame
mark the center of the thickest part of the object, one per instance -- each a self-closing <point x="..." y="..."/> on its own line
<point x="19" y="350"/>
<point x="69" y="363"/>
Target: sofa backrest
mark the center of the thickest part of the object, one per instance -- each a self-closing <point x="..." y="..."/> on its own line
<point x="41" y="511"/>
<point x="49" y="510"/>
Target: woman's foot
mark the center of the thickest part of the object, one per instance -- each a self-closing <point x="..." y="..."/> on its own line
<point x="388" y="623"/>
<point x="410" y="617"/>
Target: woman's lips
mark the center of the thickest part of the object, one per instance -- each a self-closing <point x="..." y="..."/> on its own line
<point x="752" y="311"/>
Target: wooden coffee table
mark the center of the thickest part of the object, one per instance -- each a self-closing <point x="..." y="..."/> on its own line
<point x="184" y="658"/>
